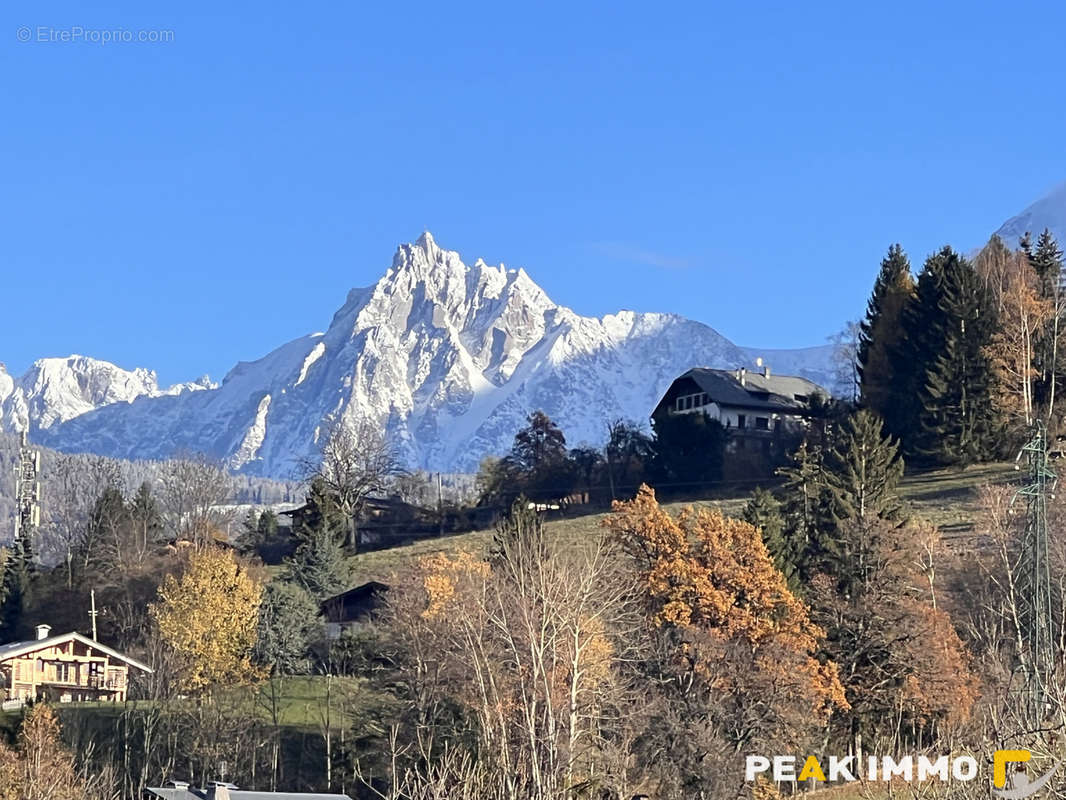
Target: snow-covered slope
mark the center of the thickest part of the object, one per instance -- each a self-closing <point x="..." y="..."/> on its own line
<point x="448" y="358"/>
<point x="54" y="390"/>
<point x="1047" y="212"/>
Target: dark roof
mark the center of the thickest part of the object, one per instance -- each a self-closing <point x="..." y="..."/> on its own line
<point x="382" y="504"/>
<point x="355" y="604"/>
<point x="774" y="393"/>
<point x="238" y="794"/>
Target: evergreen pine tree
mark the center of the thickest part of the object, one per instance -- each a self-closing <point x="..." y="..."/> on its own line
<point x="805" y="509"/>
<point x="951" y="324"/>
<point x="18" y="575"/>
<point x="881" y="356"/>
<point x="764" y="512"/>
<point x="145" y="516"/>
<point x="1046" y="261"/>
<point x="863" y="469"/>
<point x="319" y="563"/>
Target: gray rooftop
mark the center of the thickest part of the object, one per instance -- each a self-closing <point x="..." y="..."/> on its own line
<point x="240" y="794"/>
<point x="773" y="393"/>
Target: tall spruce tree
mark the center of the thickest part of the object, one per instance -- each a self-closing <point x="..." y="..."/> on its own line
<point x="18" y="575"/>
<point x="882" y="364"/>
<point x="319" y="563"/>
<point x="1046" y="261"/>
<point x="764" y="512"/>
<point x="950" y="325"/>
<point x="863" y="469"/>
<point x="807" y="545"/>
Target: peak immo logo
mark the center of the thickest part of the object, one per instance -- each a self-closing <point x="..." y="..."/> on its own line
<point x="1020" y="785"/>
<point x="906" y="768"/>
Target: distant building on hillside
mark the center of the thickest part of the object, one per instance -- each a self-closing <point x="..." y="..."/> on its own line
<point x="219" y="790"/>
<point x="65" y="668"/>
<point x="755" y="407"/>
<point x="348" y="610"/>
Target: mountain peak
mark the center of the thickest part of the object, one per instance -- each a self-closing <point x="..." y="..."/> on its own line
<point x="1047" y="212"/>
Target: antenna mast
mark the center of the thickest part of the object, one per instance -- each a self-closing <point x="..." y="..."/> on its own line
<point x="27" y="491"/>
<point x="1034" y="590"/>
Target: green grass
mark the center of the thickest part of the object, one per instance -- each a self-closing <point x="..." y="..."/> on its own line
<point x="946" y="498"/>
<point x="301" y="703"/>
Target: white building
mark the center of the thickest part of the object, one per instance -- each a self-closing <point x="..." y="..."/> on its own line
<point x="749" y="404"/>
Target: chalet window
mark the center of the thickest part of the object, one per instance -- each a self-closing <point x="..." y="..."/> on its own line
<point x="801" y="397"/>
<point x="762" y="423"/>
<point x="741" y="421"/>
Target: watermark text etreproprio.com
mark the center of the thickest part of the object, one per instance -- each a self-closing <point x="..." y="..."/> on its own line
<point x="49" y="34"/>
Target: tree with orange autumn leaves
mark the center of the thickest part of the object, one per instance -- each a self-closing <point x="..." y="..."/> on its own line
<point x="713" y="592"/>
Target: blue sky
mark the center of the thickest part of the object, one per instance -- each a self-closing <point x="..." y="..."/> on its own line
<point x="186" y="205"/>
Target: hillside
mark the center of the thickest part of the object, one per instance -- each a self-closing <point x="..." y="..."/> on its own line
<point x="946" y="498"/>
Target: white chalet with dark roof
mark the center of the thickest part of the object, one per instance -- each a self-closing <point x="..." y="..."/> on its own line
<point x="746" y="403"/>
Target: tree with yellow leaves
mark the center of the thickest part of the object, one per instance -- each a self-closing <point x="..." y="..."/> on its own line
<point x="1023" y="317"/>
<point x="40" y="767"/>
<point x="729" y="620"/>
<point x="209" y="616"/>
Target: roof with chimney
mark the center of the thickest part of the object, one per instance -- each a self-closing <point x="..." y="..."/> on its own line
<point x="228" y="792"/>
<point x="748" y="389"/>
<point x="44" y="640"/>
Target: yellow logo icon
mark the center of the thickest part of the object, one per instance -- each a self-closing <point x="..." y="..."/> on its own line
<point x="1021" y="786"/>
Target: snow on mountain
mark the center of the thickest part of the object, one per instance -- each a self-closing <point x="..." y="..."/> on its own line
<point x="54" y="390"/>
<point x="1047" y="212"/>
<point x="447" y="358"/>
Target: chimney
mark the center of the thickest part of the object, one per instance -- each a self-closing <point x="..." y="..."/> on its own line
<point x="742" y="375"/>
<point x="43" y="631"/>
<point x="219" y="790"/>
<point x="766" y="371"/>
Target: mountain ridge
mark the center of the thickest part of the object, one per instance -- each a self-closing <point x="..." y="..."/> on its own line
<point x="447" y="357"/>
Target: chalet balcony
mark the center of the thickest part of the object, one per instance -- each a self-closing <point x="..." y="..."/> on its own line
<point x="92" y="682"/>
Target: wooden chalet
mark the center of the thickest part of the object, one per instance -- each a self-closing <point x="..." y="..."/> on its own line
<point x="66" y="668"/>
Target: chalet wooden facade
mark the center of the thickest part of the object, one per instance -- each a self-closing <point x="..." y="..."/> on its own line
<point x="66" y="668"/>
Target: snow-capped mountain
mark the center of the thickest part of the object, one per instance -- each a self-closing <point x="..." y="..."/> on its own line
<point x="54" y="390"/>
<point x="1047" y="212"/>
<point x="448" y="358"/>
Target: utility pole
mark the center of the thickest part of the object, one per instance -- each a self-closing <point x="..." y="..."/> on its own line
<point x="440" y="506"/>
<point x="1036" y="612"/>
<point x="27" y="491"/>
<point x="93" y="613"/>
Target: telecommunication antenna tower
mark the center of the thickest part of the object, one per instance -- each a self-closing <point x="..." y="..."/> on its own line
<point x="1034" y="588"/>
<point x="27" y="490"/>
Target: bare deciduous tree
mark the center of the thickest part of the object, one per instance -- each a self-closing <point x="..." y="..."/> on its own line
<point x="71" y="489"/>
<point x="193" y="488"/>
<point x="356" y="461"/>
